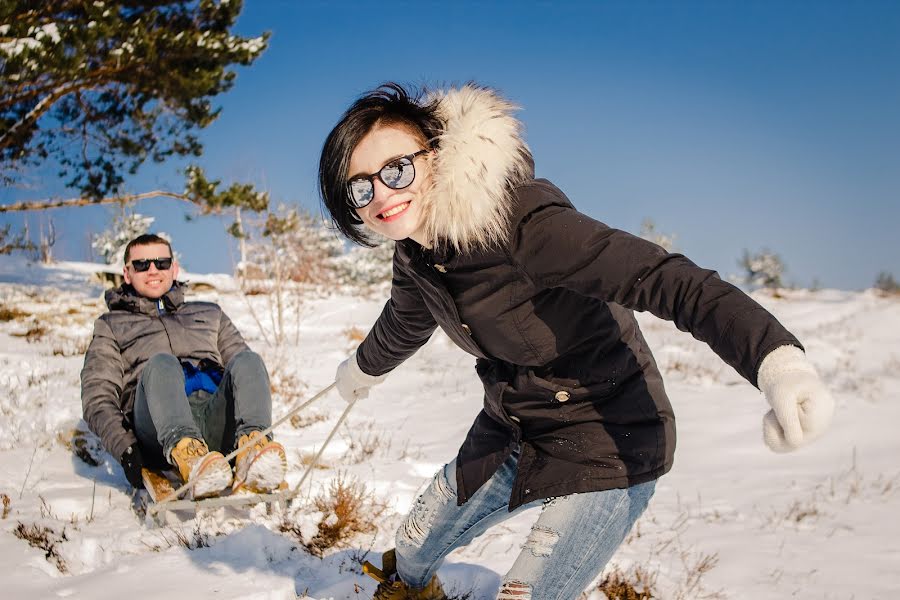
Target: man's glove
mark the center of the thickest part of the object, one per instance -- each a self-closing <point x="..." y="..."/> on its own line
<point x="352" y="383"/>
<point x="132" y="462"/>
<point x="801" y="406"/>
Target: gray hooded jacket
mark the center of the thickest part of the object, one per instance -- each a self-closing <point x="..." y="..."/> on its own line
<point x="125" y="338"/>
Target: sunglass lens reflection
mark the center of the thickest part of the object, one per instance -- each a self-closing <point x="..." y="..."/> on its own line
<point x="143" y="264"/>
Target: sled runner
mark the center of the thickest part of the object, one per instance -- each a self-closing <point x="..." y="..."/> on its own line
<point x="161" y="486"/>
<point x="164" y="489"/>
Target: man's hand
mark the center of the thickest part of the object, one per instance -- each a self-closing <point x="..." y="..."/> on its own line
<point x="802" y="407"/>
<point x="132" y="462"/>
<point x="352" y="383"/>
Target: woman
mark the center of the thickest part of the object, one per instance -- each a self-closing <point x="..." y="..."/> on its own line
<point x="575" y="416"/>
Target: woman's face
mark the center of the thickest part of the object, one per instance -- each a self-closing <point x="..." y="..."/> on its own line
<point x="396" y="214"/>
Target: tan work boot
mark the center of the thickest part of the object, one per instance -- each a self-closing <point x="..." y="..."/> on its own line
<point x="391" y="588"/>
<point x="260" y="464"/>
<point x="208" y="472"/>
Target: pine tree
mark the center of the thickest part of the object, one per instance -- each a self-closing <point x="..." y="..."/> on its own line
<point x="125" y="227"/>
<point x="101" y="86"/>
<point x="763" y="269"/>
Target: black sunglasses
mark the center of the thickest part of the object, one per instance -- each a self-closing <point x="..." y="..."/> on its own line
<point x="143" y="264"/>
<point x="397" y="174"/>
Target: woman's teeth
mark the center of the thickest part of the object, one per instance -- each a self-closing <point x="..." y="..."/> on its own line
<point x="393" y="211"/>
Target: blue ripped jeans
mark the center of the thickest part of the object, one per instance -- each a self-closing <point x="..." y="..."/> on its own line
<point x="569" y="544"/>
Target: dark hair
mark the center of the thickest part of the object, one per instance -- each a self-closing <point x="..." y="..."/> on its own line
<point x="389" y="103"/>
<point x="146" y="240"/>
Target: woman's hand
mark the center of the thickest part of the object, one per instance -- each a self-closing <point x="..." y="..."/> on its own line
<point x="802" y="407"/>
<point x="352" y="383"/>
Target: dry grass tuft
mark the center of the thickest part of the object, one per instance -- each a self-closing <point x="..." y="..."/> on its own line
<point x="307" y="419"/>
<point x="196" y="539"/>
<point x="6" y="504"/>
<point x="364" y="442"/>
<point x="44" y="539"/>
<point x="35" y="333"/>
<point x="354" y="334"/>
<point x="82" y="444"/>
<point x="348" y="509"/>
<point x="12" y="314"/>
<point x="71" y="346"/>
<point x="636" y="584"/>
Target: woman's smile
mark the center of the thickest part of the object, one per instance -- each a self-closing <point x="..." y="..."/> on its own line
<point x="394" y="212"/>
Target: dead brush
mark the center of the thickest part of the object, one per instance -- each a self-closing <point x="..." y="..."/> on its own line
<point x="364" y="443"/>
<point x="8" y="313"/>
<point x="45" y="539"/>
<point x="34" y="333"/>
<point x="71" y="346"/>
<point x="348" y="509"/>
<point x="696" y="566"/>
<point x="6" y="504"/>
<point x="307" y="419"/>
<point x="197" y="538"/>
<point x="635" y="584"/>
<point x="354" y="334"/>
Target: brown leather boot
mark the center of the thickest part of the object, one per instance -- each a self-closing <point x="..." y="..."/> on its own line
<point x="391" y="588"/>
<point x="208" y="472"/>
<point x="260" y="464"/>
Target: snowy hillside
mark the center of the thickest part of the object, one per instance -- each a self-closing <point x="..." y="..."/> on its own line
<point x="732" y="520"/>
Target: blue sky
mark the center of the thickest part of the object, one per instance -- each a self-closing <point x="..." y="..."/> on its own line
<point x="733" y="125"/>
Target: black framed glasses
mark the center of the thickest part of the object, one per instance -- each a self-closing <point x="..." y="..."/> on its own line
<point x="143" y="264"/>
<point x="397" y="174"/>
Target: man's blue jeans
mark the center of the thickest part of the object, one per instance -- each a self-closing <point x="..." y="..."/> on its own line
<point x="569" y="544"/>
<point x="163" y="414"/>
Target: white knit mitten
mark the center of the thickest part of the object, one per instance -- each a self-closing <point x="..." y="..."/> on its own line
<point x="352" y="383"/>
<point x="801" y="405"/>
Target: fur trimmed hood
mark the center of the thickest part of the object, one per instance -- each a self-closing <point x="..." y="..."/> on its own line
<point x="481" y="157"/>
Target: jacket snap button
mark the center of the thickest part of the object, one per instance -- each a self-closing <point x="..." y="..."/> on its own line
<point x="562" y="396"/>
<point x="467" y="329"/>
<point x="441" y="268"/>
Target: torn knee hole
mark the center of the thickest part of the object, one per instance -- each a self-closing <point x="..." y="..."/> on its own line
<point x="514" y="590"/>
<point x="541" y="541"/>
<point x="442" y="487"/>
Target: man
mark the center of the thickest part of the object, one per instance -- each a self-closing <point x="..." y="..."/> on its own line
<point x="169" y="382"/>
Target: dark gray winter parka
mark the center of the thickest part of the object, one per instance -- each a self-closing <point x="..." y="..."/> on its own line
<point x="133" y="331"/>
<point x="547" y="312"/>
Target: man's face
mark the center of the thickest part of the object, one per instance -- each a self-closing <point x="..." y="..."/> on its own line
<point x="153" y="282"/>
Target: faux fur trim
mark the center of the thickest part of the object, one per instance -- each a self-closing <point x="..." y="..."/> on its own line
<point x="480" y="157"/>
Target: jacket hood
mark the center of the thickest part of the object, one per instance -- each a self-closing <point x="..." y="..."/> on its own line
<point x="481" y="157"/>
<point x="125" y="297"/>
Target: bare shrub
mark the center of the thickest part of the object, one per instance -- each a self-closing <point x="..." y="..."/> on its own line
<point x="762" y="269"/>
<point x="45" y="539"/>
<point x="886" y="284"/>
<point x="347" y="508"/>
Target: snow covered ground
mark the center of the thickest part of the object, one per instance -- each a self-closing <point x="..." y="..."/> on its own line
<point x="732" y="520"/>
